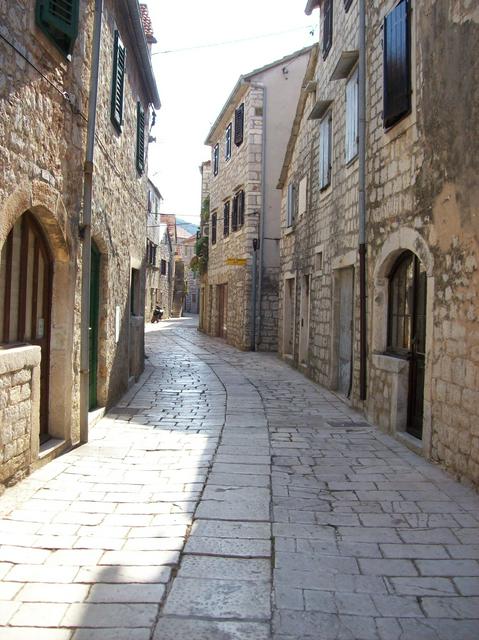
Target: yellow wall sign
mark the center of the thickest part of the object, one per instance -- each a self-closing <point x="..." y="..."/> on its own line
<point x="236" y="262"/>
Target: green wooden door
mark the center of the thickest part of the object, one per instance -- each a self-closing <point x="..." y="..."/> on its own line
<point x="93" y="329"/>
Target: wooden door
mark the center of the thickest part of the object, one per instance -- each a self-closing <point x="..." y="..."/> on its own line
<point x="93" y="326"/>
<point x="25" y="298"/>
<point x="345" y="343"/>
<point x="304" y="320"/>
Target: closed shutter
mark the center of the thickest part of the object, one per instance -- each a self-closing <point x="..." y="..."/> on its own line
<point x="397" y="73"/>
<point x="327" y="27"/>
<point x="226" y="219"/>
<point x="228" y="142"/>
<point x="240" y="208"/>
<point x="58" y="19"/>
<point x="290" y="205"/>
<point x="239" y="125"/>
<point x="347" y="4"/>
<point x="325" y="151"/>
<point x="213" y="228"/>
<point x="352" y="117"/>
<point x="216" y="159"/>
<point x="118" y="82"/>
<point x="140" y="138"/>
<point x="234" y="214"/>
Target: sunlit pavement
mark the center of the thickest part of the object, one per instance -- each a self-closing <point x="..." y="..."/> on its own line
<point x="229" y="498"/>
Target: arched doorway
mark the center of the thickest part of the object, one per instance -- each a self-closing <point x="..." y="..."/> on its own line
<point x="25" y="297"/>
<point x="406" y="334"/>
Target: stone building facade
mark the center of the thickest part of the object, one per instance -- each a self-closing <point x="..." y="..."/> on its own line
<point x="186" y="250"/>
<point x="44" y="94"/>
<point x="422" y="367"/>
<point x="248" y="140"/>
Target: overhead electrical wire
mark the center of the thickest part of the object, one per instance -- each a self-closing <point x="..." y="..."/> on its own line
<point x="228" y="42"/>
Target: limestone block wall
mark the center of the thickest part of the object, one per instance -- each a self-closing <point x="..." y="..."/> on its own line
<point x="241" y="171"/>
<point x="19" y="410"/>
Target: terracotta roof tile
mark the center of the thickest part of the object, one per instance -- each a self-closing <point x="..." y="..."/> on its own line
<point x="147" y="26"/>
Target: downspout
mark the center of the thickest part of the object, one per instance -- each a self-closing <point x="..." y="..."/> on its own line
<point x="362" y="201"/>
<point x="86" y="224"/>
<point x="257" y="319"/>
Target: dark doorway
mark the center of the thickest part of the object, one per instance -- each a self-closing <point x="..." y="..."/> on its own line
<point x="407" y="330"/>
<point x="345" y="297"/>
<point x="93" y="328"/>
<point x="222" y="290"/>
<point x="25" y="298"/>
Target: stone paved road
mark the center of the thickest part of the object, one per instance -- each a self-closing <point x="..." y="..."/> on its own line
<point x="228" y="498"/>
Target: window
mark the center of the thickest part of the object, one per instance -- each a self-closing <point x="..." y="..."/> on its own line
<point x="140" y="138"/>
<point x="327" y="27"/>
<point x="325" y="140"/>
<point x="213" y="228"/>
<point x="352" y="117"/>
<point x="163" y="267"/>
<point x="292" y="204"/>
<point x="228" y="141"/>
<point x="302" y="195"/>
<point x="216" y="159"/>
<point x="397" y="63"/>
<point x="237" y="218"/>
<point x="226" y="219"/>
<point x="118" y="81"/>
<point x="58" y="19"/>
<point x="239" y="125"/>
<point x="318" y="261"/>
<point x="151" y="252"/>
<point x="347" y="4"/>
<point x="135" y="293"/>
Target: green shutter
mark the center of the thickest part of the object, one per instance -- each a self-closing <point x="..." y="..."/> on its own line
<point x="118" y="82"/>
<point x="58" y="19"/>
<point x="140" y="138"/>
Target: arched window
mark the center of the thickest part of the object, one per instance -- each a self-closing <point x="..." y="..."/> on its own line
<point x="401" y="284"/>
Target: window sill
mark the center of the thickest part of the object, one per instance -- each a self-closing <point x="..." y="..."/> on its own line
<point x="288" y="230"/>
<point x="351" y="161"/>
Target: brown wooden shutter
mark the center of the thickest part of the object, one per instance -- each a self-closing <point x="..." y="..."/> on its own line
<point x="327" y="27"/>
<point x="118" y="82"/>
<point x="239" y="125"/>
<point x="140" y="138"/>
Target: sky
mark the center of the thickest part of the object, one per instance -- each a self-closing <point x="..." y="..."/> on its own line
<point x="195" y="83"/>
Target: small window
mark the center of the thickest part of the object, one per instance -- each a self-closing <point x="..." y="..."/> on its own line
<point x="239" y="125"/>
<point x="135" y="307"/>
<point x="216" y="159"/>
<point x="318" y="261"/>
<point x="213" y="228"/>
<point x="325" y="146"/>
<point x="58" y="19"/>
<point x="327" y="27"/>
<point x="226" y="219"/>
<point x="140" y="138"/>
<point x="351" y="142"/>
<point x="118" y="82"/>
<point x="292" y="205"/>
<point x="401" y="290"/>
<point x="163" y="267"/>
<point x="347" y="4"/>
<point x="397" y="63"/>
<point x="228" y="142"/>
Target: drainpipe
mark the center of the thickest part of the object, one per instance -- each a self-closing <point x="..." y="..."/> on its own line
<point x="257" y="319"/>
<point x="253" y="295"/>
<point x="362" y="200"/>
<point x="86" y="224"/>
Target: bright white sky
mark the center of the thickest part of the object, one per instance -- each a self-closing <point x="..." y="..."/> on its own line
<point x="195" y="84"/>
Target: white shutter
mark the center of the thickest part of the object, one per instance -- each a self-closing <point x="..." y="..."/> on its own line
<point x="289" y="213"/>
<point x="352" y="117"/>
<point x="325" y="151"/>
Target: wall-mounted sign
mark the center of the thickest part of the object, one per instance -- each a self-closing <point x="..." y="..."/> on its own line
<point x="236" y="262"/>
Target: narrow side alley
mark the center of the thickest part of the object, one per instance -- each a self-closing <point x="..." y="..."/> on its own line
<point x="229" y="498"/>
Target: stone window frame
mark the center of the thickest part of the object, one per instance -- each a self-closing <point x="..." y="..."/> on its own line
<point x="405" y="239"/>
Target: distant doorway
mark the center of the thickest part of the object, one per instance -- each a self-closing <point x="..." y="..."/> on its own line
<point x="345" y="302"/>
<point x="222" y="292"/>
<point x="304" y="320"/>
<point x="26" y="298"/>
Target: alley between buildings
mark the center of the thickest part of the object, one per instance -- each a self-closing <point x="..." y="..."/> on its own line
<point x="229" y="498"/>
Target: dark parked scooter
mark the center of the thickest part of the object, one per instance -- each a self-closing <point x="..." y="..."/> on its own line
<point x="157" y="314"/>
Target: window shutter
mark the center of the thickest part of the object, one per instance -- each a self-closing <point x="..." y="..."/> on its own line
<point x="347" y="4"/>
<point x="226" y="219"/>
<point x="58" y="19"/>
<point x="240" y="208"/>
<point x="397" y="74"/>
<point x="234" y="214"/>
<point x="140" y="138"/>
<point x="352" y="117"/>
<point x="290" y="212"/>
<point x="228" y="142"/>
<point x="327" y="27"/>
<point x="118" y="81"/>
<point x="213" y="228"/>
<point x="216" y="159"/>
<point x="239" y="125"/>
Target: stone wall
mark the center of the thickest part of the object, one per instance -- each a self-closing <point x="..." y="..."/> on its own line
<point x="19" y="411"/>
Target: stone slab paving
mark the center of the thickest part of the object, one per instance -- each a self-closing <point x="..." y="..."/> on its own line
<point x="228" y="498"/>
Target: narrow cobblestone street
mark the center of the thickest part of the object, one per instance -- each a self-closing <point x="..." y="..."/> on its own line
<point x="229" y="498"/>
